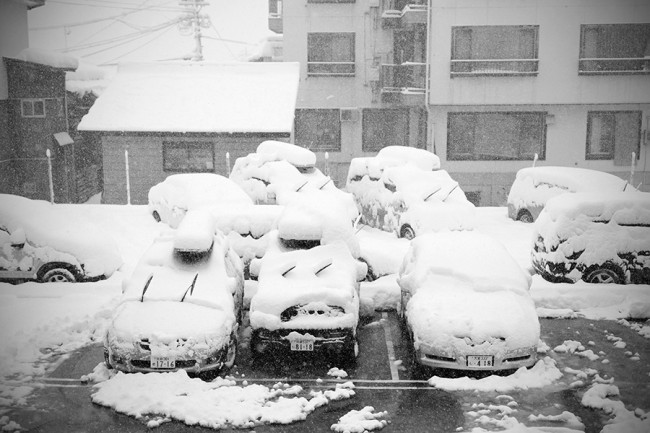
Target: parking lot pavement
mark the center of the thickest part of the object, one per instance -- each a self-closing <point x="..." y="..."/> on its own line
<point x="384" y="378"/>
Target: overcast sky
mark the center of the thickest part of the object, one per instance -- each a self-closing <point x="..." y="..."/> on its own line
<point x="112" y="31"/>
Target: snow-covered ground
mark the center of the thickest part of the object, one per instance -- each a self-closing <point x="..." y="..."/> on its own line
<point x="40" y="323"/>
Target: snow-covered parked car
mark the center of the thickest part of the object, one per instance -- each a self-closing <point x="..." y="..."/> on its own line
<point x="594" y="237"/>
<point x="49" y="243"/>
<point x="307" y="301"/>
<point x="170" y="199"/>
<point x="404" y="191"/>
<point x="182" y="306"/>
<point x="534" y="186"/>
<point x="278" y="170"/>
<point x="466" y="303"/>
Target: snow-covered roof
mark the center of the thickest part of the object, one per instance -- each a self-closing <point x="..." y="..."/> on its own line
<point x="197" y="97"/>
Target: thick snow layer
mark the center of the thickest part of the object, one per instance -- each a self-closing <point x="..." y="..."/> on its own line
<point x="58" y="234"/>
<point x="49" y="58"/>
<point x="421" y="158"/>
<point x="246" y="220"/>
<point x="197" y="97"/>
<point x="320" y="278"/>
<point x="279" y="150"/>
<point x="533" y="186"/>
<point x="168" y="275"/>
<point x="195" y="232"/>
<point x="221" y="404"/>
<point x="178" y="193"/>
<point x="382" y="251"/>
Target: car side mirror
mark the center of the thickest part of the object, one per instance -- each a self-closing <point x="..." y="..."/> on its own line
<point x="18" y="238"/>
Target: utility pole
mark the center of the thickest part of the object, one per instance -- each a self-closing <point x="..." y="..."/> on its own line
<point x="194" y="20"/>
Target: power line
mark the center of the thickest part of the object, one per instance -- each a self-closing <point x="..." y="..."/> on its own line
<point x="135" y="49"/>
<point x="155" y="8"/>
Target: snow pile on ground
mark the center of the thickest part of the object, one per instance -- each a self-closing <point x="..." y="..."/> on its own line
<point x="623" y="420"/>
<point x="544" y="373"/>
<point x="160" y="397"/>
<point x="361" y="421"/>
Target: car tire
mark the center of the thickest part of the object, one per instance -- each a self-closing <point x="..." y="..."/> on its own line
<point x="156" y="216"/>
<point x="407" y="232"/>
<point x="605" y="274"/>
<point x="57" y="275"/>
<point x="525" y="217"/>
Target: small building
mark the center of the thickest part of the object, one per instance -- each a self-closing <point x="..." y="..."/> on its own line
<point x="158" y="119"/>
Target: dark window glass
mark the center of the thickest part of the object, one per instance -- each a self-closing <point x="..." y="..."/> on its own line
<point x="496" y="136"/>
<point x="318" y="130"/>
<point x="615" y="48"/>
<point x="494" y="50"/>
<point x="33" y="107"/>
<point x="613" y="135"/>
<point x="330" y="54"/>
<point x="384" y="127"/>
<point x="186" y="156"/>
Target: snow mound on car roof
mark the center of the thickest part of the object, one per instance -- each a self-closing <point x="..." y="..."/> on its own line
<point x="281" y="151"/>
<point x="461" y="258"/>
<point x="421" y="158"/>
<point x="59" y="228"/>
<point x="622" y="208"/>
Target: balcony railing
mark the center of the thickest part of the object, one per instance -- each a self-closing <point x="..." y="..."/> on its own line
<point x="275" y="22"/>
<point x="601" y="66"/>
<point x="412" y="13"/>
<point x="472" y="67"/>
<point x="340" y="69"/>
<point x="404" y="78"/>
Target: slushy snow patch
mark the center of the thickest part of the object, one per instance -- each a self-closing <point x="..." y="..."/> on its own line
<point x="361" y="421"/>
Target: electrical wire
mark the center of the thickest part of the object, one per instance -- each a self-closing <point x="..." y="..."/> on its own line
<point x="155" y="8"/>
<point x="109" y="62"/>
<point x="220" y="38"/>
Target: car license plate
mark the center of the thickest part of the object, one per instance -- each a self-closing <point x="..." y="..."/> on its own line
<point x="302" y="345"/>
<point x="480" y="361"/>
<point x="163" y="362"/>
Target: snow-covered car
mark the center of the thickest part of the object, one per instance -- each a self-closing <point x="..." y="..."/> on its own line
<point x="534" y="186"/>
<point x="594" y="237"/>
<point x="279" y="172"/>
<point x="170" y="199"/>
<point x="49" y="243"/>
<point x="307" y="301"/>
<point x="181" y="308"/>
<point x="466" y="303"/>
<point x="404" y="191"/>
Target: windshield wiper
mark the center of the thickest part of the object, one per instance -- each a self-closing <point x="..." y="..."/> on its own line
<point x="191" y="288"/>
<point x="146" y="286"/>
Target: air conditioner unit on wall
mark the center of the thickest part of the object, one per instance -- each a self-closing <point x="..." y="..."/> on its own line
<point x="349" y="114"/>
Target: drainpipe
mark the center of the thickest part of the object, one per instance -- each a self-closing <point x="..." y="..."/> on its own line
<point x="427" y="76"/>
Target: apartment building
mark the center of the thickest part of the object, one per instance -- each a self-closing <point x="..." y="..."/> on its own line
<point x="490" y="86"/>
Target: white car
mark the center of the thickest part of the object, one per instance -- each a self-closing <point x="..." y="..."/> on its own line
<point x="49" y="243"/>
<point x="403" y="190"/>
<point x="595" y="237"/>
<point x="172" y="198"/>
<point x="279" y="172"/>
<point x="307" y="301"/>
<point x="466" y="303"/>
<point x="182" y="306"/>
<point x="534" y="186"/>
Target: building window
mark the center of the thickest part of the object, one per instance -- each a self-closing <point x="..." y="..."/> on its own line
<point x="32" y="107"/>
<point x="496" y="136"/>
<point x="494" y="50"/>
<point x="188" y="156"/>
<point x="615" y="49"/>
<point x="613" y="135"/>
<point x="318" y="130"/>
<point x="330" y="54"/>
<point x="384" y="127"/>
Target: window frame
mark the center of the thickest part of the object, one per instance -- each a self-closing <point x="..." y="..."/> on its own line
<point x="612" y="155"/>
<point x="541" y="152"/>
<point x="314" y="64"/>
<point x="457" y="63"/>
<point x="188" y="145"/>
<point x="365" y="117"/>
<point x="598" y="65"/>
<point x="31" y="102"/>
<point x="301" y="141"/>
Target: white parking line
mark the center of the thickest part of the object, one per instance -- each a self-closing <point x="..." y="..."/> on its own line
<point x="394" y="373"/>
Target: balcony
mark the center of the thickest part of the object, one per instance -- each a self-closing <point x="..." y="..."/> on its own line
<point x="403" y="84"/>
<point x="614" y="66"/>
<point x="408" y="16"/>
<point x="495" y="67"/>
<point x="275" y="22"/>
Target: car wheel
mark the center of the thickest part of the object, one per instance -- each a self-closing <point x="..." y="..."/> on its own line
<point x="156" y="216"/>
<point x="58" y="275"/>
<point x="407" y="232"/>
<point x="604" y="275"/>
<point x="107" y="360"/>
<point x="525" y="217"/>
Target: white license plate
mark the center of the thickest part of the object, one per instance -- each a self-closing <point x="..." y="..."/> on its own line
<point x="163" y="362"/>
<point x="480" y="361"/>
<point x="302" y="345"/>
